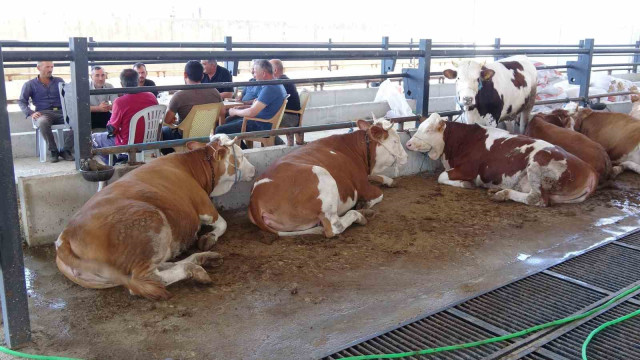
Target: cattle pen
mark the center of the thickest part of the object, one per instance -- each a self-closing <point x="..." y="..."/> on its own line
<point x="429" y="248"/>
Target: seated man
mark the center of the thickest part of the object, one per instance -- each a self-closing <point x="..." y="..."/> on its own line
<point x="182" y="101"/>
<point x="124" y="108"/>
<point x="250" y="93"/>
<point x="45" y="95"/>
<point x="142" y="76"/>
<point x="265" y="107"/>
<point x="288" y="119"/>
<point x="100" y="104"/>
<point x="214" y="73"/>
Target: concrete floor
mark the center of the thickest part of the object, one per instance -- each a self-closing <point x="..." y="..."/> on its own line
<point x="257" y="316"/>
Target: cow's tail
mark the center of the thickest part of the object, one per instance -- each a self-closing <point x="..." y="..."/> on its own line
<point x="98" y="275"/>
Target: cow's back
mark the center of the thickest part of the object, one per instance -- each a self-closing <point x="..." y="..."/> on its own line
<point x="573" y="142"/>
<point x="618" y="133"/>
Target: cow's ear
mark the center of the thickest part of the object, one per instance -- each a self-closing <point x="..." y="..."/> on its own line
<point x="486" y="74"/>
<point x="193" y="145"/>
<point x="363" y="125"/>
<point x="450" y="74"/>
<point x="440" y="125"/>
<point x="378" y="133"/>
<point x="635" y="98"/>
<point x="583" y="113"/>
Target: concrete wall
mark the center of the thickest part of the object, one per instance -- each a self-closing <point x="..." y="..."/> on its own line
<point x="48" y="201"/>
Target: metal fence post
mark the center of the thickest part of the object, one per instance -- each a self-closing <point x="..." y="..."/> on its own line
<point x="636" y="58"/>
<point x="81" y="117"/>
<point x="416" y="84"/>
<point x="329" y="49"/>
<point x="387" y="64"/>
<point x="579" y="72"/>
<point x="231" y="65"/>
<point x="496" y="46"/>
<point x="13" y="292"/>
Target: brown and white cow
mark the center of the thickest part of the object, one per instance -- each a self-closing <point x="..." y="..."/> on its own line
<point x="548" y="127"/>
<point x="313" y="189"/>
<point x="496" y="92"/>
<point x="523" y="169"/>
<point x="127" y="233"/>
<point x="619" y="134"/>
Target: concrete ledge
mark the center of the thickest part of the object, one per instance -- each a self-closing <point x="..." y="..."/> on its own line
<point x="47" y="202"/>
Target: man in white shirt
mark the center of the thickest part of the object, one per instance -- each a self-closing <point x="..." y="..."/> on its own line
<point x="100" y="104"/>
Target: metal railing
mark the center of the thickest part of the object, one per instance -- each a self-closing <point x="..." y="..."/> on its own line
<point x="79" y="53"/>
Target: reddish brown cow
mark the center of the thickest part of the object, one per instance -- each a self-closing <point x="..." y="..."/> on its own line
<point x="520" y="168"/>
<point x="547" y="127"/>
<point x="619" y="134"/>
<point x="126" y="233"/>
<point x="313" y="189"/>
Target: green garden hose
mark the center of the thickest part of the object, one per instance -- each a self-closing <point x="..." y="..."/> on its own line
<point x="514" y="335"/>
<point x="29" y="356"/>
<point x="601" y="327"/>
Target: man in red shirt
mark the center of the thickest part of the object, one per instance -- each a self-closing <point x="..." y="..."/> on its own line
<point x="122" y="111"/>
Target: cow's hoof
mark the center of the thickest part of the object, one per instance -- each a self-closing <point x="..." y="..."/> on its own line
<point x="206" y="241"/>
<point x="501" y="195"/>
<point x="361" y="204"/>
<point x="209" y="259"/>
<point x="493" y="191"/>
<point x="392" y="184"/>
<point x="367" y="213"/>
<point x="200" y="275"/>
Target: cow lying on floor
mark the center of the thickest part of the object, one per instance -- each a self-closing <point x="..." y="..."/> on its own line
<point x="522" y="169"/>
<point x="313" y="189"/>
<point x="127" y="233"/>
<point x="548" y="127"/>
<point x="619" y="134"/>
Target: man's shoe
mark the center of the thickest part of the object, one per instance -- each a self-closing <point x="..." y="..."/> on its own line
<point x="54" y="157"/>
<point x="67" y="155"/>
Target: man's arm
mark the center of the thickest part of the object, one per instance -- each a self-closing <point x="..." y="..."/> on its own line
<point x="23" y="100"/>
<point x="170" y="117"/>
<point x="253" y="111"/>
<point x="116" y="119"/>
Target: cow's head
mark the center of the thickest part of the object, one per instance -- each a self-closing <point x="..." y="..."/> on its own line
<point x="469" y="76"/>
<point x="228" y="163"/>
<point x="429" y="137"/>
<point x="389" y="150"/>
<point x="563" y="117"/>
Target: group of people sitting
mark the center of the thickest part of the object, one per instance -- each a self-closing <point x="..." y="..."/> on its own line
<point x="114" y="113"/>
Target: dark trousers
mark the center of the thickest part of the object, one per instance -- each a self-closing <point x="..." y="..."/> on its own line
<point x="169" y="134"/>
<point x="99" y="120"/>
<point x="44" y="122"/>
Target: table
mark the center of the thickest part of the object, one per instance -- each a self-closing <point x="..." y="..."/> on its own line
<point x="228" y="104"/>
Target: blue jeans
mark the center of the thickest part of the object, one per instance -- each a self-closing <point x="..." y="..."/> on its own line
<point x="233" y="125"/>
<point x="100" y="140"/>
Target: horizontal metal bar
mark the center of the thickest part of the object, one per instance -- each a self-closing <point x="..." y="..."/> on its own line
<point x="134" y="90"/>
<point x="284" y="131"/>
<point x="557" y="101"/>
<point x="551" y="67"/>
<point x="612" y="94"/>
<point x="250" y="55"/>
<point x="617" y="51"/>
<point x="13" y="56"/>
<point x="473" y="53"/>
<point x="42" y="44"/>
<point x="607" y="65"/>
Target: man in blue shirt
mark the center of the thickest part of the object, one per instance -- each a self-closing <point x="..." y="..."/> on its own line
<point x="45" y="95"/>
<point x="265" y="107"/>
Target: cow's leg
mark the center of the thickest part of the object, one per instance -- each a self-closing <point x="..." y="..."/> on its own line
<point x="630" y="165"/>
<point x="444" y="179"/>
<point x="170" y="273"/>
<point x="217" y="225"/>
<point x="334" y="224"/>
<point x="206" y="259"/>
<point x="381" y="179"/>
<point x="533" y="197"/>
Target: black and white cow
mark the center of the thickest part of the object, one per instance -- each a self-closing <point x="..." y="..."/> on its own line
<point x="495" y="92"/>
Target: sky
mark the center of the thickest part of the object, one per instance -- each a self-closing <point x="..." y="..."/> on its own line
<point x="542" y="21"/>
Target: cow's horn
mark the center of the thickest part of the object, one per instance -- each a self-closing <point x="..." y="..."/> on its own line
<point x="388" y="128"/>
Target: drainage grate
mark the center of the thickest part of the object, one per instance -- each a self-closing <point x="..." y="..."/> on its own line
<point x="611" y="267"/>
<point x="566" y="289"/>
<point x="622" y="338"/>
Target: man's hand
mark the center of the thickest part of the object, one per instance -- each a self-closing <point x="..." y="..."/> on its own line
<point x="36" y="115"/>
<point x="232" y="111"/>
<point x="104" y="107"/>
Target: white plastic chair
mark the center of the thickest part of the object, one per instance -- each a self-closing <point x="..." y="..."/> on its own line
<point x="58" y="130"/>
<point x="153" y="116"/>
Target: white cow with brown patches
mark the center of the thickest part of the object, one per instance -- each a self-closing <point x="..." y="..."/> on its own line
<point x="314" y="189"/>
<point x="127" y="233"/>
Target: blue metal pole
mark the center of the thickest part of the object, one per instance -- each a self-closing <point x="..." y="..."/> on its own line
<point x="496" y="46"/>
<point x="80" y="114"/>
<point x="13" y="291"/>
<point x="231" y="65"/>
<point x="636" y="58"/>
<point x="579" y="72"/>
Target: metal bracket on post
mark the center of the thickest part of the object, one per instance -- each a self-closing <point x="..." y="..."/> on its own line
<point x="636" y="58"/>
<point x="13" y="291"/>
<point x="81" y="117"/>
<point x="387" y="64"/>
<point x="416" y="84"/>
<point x="579" y="72"/>
<point x="496" y="46"/>
<point x="231" y="65"/>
